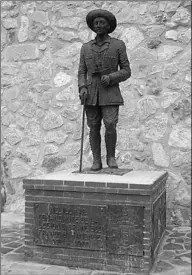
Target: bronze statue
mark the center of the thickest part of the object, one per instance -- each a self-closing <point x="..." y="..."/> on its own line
<point x="98" y="81"/>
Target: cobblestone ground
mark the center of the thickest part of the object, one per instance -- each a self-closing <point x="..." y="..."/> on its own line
<point x="174" y="256"/>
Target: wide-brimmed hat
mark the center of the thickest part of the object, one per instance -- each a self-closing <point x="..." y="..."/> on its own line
<point x="101" y="13"/>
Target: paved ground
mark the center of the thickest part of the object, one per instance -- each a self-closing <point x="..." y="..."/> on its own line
<point x="174" y="257"/>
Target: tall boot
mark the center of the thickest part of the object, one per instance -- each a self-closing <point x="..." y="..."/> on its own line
<point x="110" y="141"/>
<point x="95" y="143"/>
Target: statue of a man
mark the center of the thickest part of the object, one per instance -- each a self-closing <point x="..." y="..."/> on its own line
<point x="98" y="81"/>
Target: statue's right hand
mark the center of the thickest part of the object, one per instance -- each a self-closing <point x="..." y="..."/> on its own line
<point x="83" y="95"/>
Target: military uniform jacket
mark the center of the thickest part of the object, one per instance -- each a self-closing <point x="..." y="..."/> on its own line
<point x="96" y="61"/>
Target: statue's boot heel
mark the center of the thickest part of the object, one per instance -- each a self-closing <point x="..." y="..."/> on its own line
<point x="111" y="162"/>
<point x="97" y="165"/>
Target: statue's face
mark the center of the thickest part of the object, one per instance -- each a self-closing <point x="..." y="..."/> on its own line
<point x="101" y="25"/>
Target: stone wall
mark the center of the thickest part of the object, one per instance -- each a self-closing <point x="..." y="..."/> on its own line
<point x="41" y="113"/>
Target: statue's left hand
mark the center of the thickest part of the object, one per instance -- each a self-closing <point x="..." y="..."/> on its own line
<point x="105" y="80"/>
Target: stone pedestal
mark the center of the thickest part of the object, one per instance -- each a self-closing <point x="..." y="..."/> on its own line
<point x="96" y="221"/>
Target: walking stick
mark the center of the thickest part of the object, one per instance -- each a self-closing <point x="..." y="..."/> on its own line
<point x="82" y="136"/>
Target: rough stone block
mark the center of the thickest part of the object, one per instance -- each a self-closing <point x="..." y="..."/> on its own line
<point x="67" y="56"/>
<point x="154" y="31"/>
<point x="181" y="110"/>
<point x="23" y="31"/>
<point x="19" y="169"/>
<point x="166" y="52"/>
<point x="57" y="136"/>
<point x="155" y="128"/>
<point x="67" y="94"/>
<point x="129" y="14"/>
<point x="11" y="93"/>
<point x="61" y="79"/>
<point x="147" y="106"/>
<point x="132" y="37"/>
<point x="22" y="52"/>
<point x="182" y="16"/>
<point x="159" y="155"/>
<point x="29" y="155"/>
<point x="171" y="34"/>
<point x="51" y="149"/>
<point x="51" y="162"/>
<point x="41" y="17"/>
<point x="129" y="139"/>
<point x="168" y="97"/>
<point x="32" y="134"/>
<point x="9" y="23"/>
<point x="13" y="135"/>
<point x="72" y="22"/>
<point x="180" y="137"/>
<point x="52" y="121"/>
<point x="172" y="6"/>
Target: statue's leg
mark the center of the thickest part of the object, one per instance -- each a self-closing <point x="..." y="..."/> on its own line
<point x="110" y="119"/>
<point x="94" y="117"/>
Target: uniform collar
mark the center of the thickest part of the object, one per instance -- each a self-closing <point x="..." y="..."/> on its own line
<point x="107" y="40"/>
<point x="101" y="48"/>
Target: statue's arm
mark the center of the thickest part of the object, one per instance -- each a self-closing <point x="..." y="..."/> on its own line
<point x="82" y="71"/>
<point x="125" y="71"/>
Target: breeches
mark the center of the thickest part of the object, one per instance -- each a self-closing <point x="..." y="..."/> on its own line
<point x="108" y="113"/>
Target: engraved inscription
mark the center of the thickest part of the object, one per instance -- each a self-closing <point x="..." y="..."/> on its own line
<point x="70" y="226"/>
<point x="116" y="229"/>
<point x="125" y="230"/>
